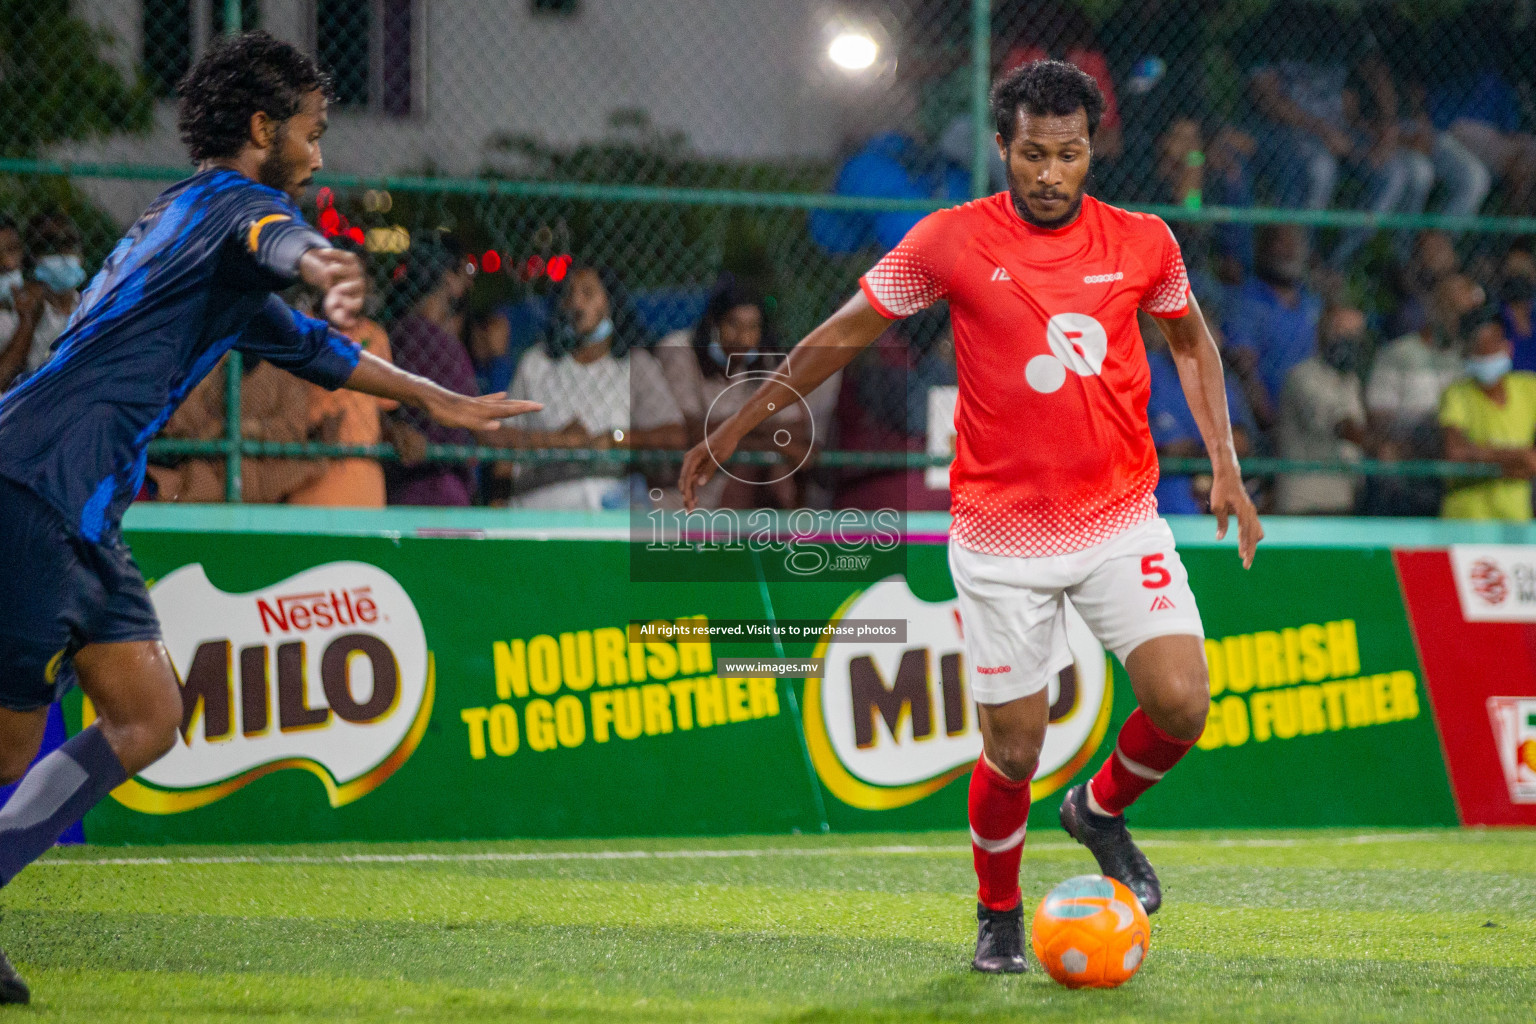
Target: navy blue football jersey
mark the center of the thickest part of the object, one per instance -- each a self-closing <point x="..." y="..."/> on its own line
<point x="193" y="279"/>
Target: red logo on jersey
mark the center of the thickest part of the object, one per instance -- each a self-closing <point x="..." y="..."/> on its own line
<point x="1161" y="603"/>
<point x="993" y="670"/>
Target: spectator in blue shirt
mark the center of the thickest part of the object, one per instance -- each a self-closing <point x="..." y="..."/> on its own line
<point x="1174" y="430"/>
<point x="1482" y="112"/>
<point x="1314" y="73"/>
<point x="1271" y="321"/>
<point x="1517" y="295"/>
<point x="889" y="166"/>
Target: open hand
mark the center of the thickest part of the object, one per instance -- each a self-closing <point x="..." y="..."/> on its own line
<point x="470" y="413"/>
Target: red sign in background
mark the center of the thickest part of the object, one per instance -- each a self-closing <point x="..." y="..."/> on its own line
<point x="1466" y="663"/>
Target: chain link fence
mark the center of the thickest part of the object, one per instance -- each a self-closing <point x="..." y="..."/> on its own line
<point x="789" y="142"/>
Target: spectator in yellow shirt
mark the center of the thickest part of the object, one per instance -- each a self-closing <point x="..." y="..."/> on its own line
<point x="1490" y="416"/>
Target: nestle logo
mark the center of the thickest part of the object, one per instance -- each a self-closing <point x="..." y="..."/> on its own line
<point x="993" y="670"/>
<point x="318" y="610"/>
<point x="1104" y="278"/>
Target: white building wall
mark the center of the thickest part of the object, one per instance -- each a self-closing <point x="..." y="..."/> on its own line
<point x="739" y="78"/>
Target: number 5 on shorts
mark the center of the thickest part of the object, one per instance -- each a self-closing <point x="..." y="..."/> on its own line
<point x="1155" y="576"/>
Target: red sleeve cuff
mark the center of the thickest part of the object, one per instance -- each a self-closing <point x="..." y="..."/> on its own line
<point x="869" y="293"/>
<point x="1172" y="314"/>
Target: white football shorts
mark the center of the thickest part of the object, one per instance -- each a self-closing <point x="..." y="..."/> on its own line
<point x="1129" y="589"/>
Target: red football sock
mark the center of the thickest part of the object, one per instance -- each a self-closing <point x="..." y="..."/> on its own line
<point x="999" y="811"/>
<point x="1143" y="754"/>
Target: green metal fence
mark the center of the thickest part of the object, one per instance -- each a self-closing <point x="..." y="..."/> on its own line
<point x="672" y="140"/>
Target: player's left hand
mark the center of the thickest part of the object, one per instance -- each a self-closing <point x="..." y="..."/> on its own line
<point x="1228" y="498"/>
<point x="470" y="413"/>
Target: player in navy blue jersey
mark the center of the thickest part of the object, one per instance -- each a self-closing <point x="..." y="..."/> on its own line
<point x="193" y="279"/>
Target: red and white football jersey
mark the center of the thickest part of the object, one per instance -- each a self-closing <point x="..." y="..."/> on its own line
<point x="1053" y="453"/>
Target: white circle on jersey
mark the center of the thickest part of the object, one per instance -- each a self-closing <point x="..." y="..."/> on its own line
<point x="1045" y="374"/>
<point x="1079" y="341"/>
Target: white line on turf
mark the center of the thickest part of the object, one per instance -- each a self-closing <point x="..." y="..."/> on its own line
<point x="492" y="856"/>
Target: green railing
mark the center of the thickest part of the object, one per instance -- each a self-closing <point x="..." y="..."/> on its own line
<point x="826" y="459"/>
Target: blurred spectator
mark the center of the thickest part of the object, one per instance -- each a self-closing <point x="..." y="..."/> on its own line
<point x="714" y="368"/>
<point x="1517" y="291"/>
<point x="1489" y="416"/>
<point x="1402" y="397"/>
<point x="1411" y="372"/>
<point x="436" y="285"/>
<point x="490" y="349"/>
<point x="1434" y="259"/>
<point x="1174" y="430"/>
<point x="1156" y="50"/>
<point x="1322" y="418"/>
<point x="889" y="166"/>
<point x="1271" y="320"/>
<point x="1480" y="110"/>
<point x="347" y="417"/>
<point x="883" y="406"/>
<point x="45" y="303"/>
<point x="14" y="343"/>
<point x="274" y="406"/>
<point x="601" y="389"/>
<point x="1191" y="170"/>
<point x="1328" y="102"/>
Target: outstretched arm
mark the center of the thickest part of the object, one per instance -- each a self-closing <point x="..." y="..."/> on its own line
<point x="374" y="376"/>
<point x="338" y="275"/>
<point x="819" y="355"/>
<point x="1205" y="388"/>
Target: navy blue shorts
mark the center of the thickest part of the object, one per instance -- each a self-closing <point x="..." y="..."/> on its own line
<point x="59" y="593"/>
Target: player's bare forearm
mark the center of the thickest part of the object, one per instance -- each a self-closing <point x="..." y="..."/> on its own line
<point x="375" y="376"/>
<point x="819" y="355"/>
<point x="1204" y="382"/>
<point x="1205" y="389"/>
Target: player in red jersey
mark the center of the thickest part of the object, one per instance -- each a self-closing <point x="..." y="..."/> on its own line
<point x="1053" y="474"/>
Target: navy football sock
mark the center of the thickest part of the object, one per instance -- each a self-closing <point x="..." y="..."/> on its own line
<point x="54" y="795"/>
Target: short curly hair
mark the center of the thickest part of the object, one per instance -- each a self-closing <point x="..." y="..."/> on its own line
<point x="1045" y="88"/>
<point x="233" y="80"/>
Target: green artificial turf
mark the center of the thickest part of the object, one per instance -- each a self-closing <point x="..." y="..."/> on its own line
<point x="1256" y="926"/>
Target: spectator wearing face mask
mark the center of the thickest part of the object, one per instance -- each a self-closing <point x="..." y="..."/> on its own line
<point x="1517" y="293"/>
<point x="45" y="304"/>
<point x="1489" y="416"/>
<point x="1271" y="321"/>
<point x="433" y="291"/>
<point x="601" y="389"/>
<point x="13" y="352"/>
<point x="1322" y="418"/>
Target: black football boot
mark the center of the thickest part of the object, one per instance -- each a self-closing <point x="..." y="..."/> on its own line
<point x="1000" y="941"/>
<point x="1109" y="841"/>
